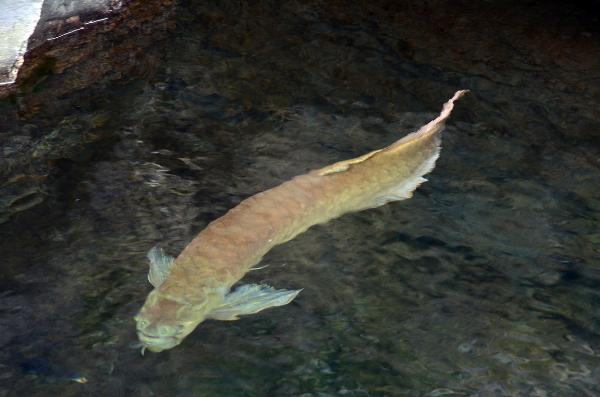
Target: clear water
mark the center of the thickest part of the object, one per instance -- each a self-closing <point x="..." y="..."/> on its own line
<point x="485" y="283"/>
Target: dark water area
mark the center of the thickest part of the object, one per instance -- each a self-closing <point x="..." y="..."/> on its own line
<point x="485" y="283"/>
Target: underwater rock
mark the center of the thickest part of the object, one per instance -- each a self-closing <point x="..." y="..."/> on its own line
<point x="76" y="46"/>
<point x="71" y="33"/>
<point x="26" y="24"/>
<point x="17" y="21"/>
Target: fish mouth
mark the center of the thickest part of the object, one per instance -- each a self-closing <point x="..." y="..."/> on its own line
<point x="157" y="343"/>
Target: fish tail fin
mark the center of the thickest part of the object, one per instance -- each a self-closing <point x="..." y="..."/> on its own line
<point x="429" y="139"/>
<point x="431" y="129"/>
<point x="434" y="127"/>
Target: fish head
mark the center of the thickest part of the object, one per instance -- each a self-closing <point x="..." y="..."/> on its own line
<point x="164" y="322"/>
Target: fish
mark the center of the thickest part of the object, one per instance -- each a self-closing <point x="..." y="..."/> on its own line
<point x="197" y="285"/>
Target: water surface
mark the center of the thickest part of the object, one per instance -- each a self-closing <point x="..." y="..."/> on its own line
<point x="485" y="283"/>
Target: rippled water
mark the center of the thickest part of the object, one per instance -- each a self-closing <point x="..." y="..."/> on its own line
<point x="485" y="283"/>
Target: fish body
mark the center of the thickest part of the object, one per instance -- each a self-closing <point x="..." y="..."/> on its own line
<point x="197" y="285"/>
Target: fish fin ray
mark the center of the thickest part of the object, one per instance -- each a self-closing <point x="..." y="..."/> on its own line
<point x="160" y="266"/>
<point x="250" y="299"/>
<point x="405" y="189"/>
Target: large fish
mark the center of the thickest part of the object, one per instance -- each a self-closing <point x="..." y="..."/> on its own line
<point x="197" y="285"/>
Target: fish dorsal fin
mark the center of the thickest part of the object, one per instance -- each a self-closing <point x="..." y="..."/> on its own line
<point x="160" y="266"/>
<point x="341" y="166"/>
<point x="250" y="299"/>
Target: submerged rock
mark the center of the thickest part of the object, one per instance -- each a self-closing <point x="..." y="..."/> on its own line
<point x="26" y="24"/>
<point x="17" y="21"/>
<point x="76" y="46"/>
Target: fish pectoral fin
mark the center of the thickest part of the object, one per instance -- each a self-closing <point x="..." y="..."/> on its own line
<point x="160" y="266"/>
<point x="250" y="299"/>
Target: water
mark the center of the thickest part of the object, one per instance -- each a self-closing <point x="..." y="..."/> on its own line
<point x="485" y="283"/>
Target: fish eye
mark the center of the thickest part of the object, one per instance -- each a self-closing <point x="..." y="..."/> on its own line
<point x="142" y="323"/>
<point x="164" y="330"/>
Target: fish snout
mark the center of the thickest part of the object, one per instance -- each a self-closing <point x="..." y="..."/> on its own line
<point x="157" y="343"/>
<point x="157" y="337"/>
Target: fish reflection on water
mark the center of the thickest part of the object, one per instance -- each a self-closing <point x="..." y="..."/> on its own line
<point x="196" y="285"/>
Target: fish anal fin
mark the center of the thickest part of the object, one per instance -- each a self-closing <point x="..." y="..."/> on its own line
<point x="250" y="299"/>
<point x="405" y="189"/>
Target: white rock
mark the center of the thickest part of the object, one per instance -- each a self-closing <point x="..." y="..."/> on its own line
<point x="18" y="19"/>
